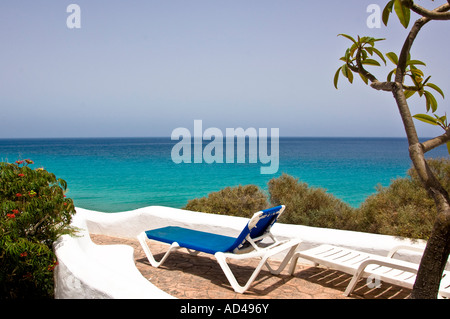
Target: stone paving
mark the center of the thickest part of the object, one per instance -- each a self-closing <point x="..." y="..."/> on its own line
<point x="200" y="277"/>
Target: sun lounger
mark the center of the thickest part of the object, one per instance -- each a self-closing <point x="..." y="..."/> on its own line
<point x="248" y="244"/>
<point x="360" y="264"/>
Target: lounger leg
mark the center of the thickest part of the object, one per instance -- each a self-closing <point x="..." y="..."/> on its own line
<point x="284" y="263"/>
<point x="361" y="270"/>
<point x="293" y="264"/>
<point x="142" y="237"/>
<point x="351" y="285"/>
<point x="221" y="259"/>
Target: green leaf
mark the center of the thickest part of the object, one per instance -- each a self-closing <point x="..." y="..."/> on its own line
<point x="379" y="54"/>
<point x="347" y="73"/>
<point x="448" y="147"/>
<point x="431" y="101"/>
<point x="364" y="55"/>
<point x="353" y="48"/>
<point x="370" y="62"/>
<point x="370" y="40"/>
<point x="414" y="62"/>
<point x="402" y="12"/>
<point x="336" y="77"/>
<point x="426" y="118"/>
<point x="442" y="120"/>
<point x="364" y="78"/>
<point x="392" y="57"/>
<point x="379" y="39"/>
<point x="350" y="76"/>
<point x="435" y="87"/>
<point x="389" y="77"/>
<point x="387" y="11"/>
<point x="408" y="93"/>
<point x="426" y="80"/>
<point x="348" y="37"/>
<point x="416" y="72"/>
<point x="347" y="55"/>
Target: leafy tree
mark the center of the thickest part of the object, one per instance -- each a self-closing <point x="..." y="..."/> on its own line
<point x="404" y="81"/>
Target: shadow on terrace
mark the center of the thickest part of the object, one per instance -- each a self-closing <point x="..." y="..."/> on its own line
<point x="200" y="277"/>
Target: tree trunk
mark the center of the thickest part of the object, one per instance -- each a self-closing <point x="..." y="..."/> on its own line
<point x="434" y="258"/>
<point x="437" y="249"/>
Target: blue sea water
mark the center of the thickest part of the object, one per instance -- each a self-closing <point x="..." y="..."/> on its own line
<point x="120" y="174"/>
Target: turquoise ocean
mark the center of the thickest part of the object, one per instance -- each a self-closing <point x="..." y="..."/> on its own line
<point x="121" y="174"/>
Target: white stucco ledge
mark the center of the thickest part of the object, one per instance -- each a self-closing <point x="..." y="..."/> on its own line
<point x="86" y="270"/>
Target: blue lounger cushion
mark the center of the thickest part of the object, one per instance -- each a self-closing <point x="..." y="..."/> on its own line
<point x="194" y="239"/>
<point x="211" y="243"/>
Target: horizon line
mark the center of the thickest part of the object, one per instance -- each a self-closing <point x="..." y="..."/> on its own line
<point x="161" y="136"/>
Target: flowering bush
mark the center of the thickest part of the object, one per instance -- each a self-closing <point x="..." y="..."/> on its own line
<point x="34" y="212"/>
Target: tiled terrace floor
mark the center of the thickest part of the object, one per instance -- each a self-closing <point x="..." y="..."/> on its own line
<point x="200" y="277"/>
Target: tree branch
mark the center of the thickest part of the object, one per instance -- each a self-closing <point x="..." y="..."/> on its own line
<point x="440" y="13"/>
<point x="402" y="104"/>
<point x="361" y="69"/>
<point x="400" y="74"/>
<point x="382" y="86"/>
<point x="402" y="59"/>
<point x="435" y="142"/>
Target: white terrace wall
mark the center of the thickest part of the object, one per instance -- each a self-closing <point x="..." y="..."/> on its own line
<point x="87" y="270"/>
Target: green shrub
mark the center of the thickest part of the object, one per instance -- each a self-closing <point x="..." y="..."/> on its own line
<point x="404" y="208"/>
<point x="234" y="201"/>
<point x="309" y="206"/>
<point x="401" y="209"/>
<point x="34" y="212"/>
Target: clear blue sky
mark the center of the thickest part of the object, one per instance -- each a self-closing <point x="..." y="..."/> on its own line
<point x="146" y="67"/>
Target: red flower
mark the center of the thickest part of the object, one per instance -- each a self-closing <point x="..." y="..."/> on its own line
<point x="24" y="254"/>
<point x="11" y="216"/>
<point x="18" y="195"/>
<point x="21" y="175"/>
<point x="28" y="161"/>
<point x="15" y="211"/>
<point x="51" y="267"/>
<point x="19" y="162"/>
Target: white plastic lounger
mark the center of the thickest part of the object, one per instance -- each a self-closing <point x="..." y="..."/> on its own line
<point x="360" y="264"/>
<point x="246" y="245"/>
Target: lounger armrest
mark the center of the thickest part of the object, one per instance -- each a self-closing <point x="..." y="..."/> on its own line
<point x="394" y="250"/>
<point x="412" y="248"/>
<point x="397" y="264"/>
<point x="270" y="250"/>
